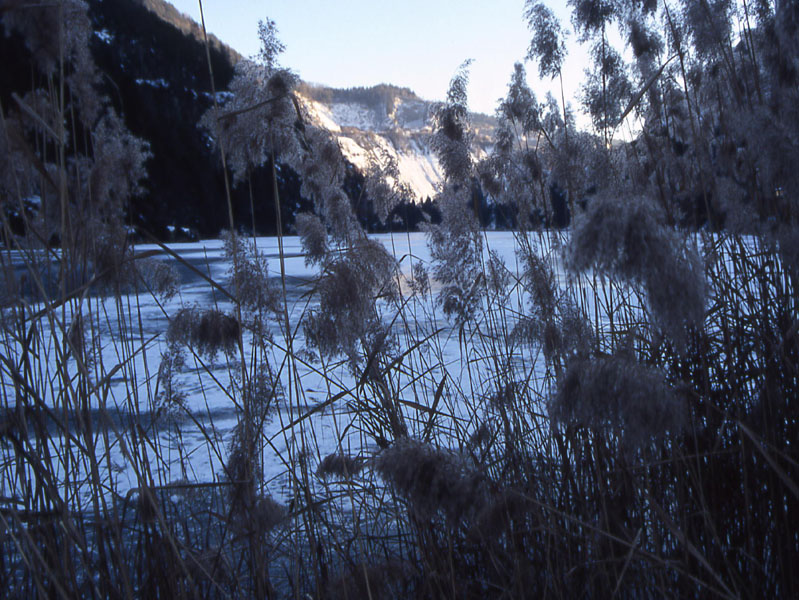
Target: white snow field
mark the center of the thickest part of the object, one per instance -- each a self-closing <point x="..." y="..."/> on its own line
<point x="321" y="409"/>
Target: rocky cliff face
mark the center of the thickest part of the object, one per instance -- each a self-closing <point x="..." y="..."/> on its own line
<point x="374" y="123"/>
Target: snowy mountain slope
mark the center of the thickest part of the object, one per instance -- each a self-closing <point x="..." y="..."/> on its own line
<point x="368" y="122"/>
<point x="385" y="120"/>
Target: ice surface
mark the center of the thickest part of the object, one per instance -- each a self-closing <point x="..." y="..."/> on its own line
<point x="193" y="442"/>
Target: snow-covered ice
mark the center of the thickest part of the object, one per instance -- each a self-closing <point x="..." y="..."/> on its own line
<point x="193" y="442"/>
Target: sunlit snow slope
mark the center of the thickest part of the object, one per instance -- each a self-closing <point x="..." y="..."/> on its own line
<point x="370" y="123"/>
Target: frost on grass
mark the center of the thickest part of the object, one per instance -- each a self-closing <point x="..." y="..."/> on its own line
<point x="590" y="16"/>
<point x="56" y="31"/>
<point x="456" y="248"/>
<point x="170" y="399"/>
<point x="554" y="322"/>
<point x="607" y="90"/>
<point x="107" y="169"/>
<point x="498" y="275"/>
<point x="513" y="173"/>
<point x="547" y="45"/>
<point x="321" y="168"/>
<point x="160" y="277"/>
<point x="250" y="510"/>
<point x="420" y="280"/>
<point x="77" y="338"/>
<point x="456" y="244"/>
<point x="452" y="137"/>
<point x="339" y="465"/>
<point x="249" y="276"/>
<point x="562" y="335"/>
<point x="384" y="185"/>
<point x="313" y="237"/>
<point x="258" y="120"/>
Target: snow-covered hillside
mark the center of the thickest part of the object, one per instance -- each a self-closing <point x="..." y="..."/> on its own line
<point x="385" y="120"/>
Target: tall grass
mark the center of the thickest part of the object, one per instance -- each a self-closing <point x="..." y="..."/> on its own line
<point x="619" y="418"/>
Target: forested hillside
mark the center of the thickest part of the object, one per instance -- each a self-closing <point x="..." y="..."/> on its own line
<point x="159" y="76"/>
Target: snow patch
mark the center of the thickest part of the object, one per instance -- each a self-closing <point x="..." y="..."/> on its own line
<point x="358" y="116"/>
<point x="421" y="171"/>
<point x="104" y="35"/>
<point x="221" y="97"/>
<point x="321" y="115"/>
<point x="156" y="83"/>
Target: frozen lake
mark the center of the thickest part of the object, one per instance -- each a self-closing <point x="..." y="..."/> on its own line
<point x="319" y="409"/>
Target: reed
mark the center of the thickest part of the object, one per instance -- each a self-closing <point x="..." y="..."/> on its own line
<point x="620" y="415"/>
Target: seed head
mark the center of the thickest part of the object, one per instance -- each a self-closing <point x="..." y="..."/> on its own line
<point x="249" y="276"/>
<point x="208" y="331"/>
<point x="626" y="237"/>
<point x="339" y="465"/>
<point x="431" y="480"/>
<point x="619" y="394"/>
<point x="313" y="236"/>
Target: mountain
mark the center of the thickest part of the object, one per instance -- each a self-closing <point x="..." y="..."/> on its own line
<point x="385" y="119"/>
<point x="367" y="122"/>
<point x="155" y="74"/>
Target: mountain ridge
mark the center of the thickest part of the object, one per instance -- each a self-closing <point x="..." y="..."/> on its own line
<point x="155" y="75"/>
<point x="373" y="124"/>
<point x="369" y="122"/>
<point x="188" y="26"/>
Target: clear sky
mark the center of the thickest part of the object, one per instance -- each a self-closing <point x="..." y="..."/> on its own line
<point x="413" y="43"/>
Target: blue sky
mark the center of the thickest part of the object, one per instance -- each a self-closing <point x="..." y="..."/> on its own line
<point x="414" y="43"/>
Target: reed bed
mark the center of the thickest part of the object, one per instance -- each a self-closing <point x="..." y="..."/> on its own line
<point x="605" y="411"/>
